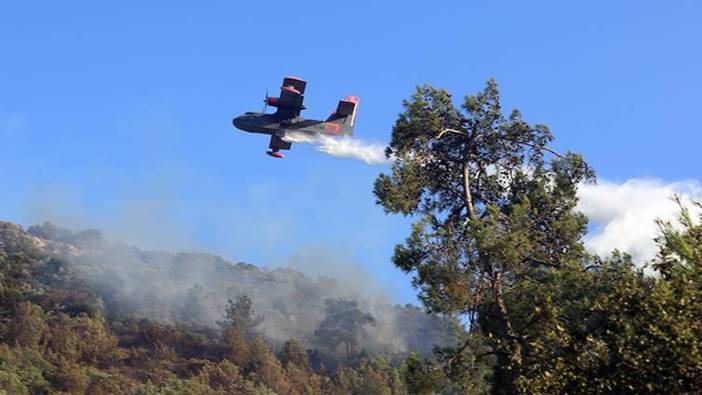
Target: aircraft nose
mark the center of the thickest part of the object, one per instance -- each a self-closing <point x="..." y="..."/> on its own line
<point x="237" y="122"/>
<point x="243" y="122"/>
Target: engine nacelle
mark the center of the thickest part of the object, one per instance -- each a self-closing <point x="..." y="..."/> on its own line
<point x="275" y="102"/>
<point x="272" y="101"/>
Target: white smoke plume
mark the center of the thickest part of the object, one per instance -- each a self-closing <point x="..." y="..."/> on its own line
<point x="623" y="214"/>
<point x="343" y="147"/>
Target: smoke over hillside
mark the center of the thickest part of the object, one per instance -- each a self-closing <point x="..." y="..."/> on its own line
<point x="194" y="288"/>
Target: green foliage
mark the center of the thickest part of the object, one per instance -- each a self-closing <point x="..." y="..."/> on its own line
<point x="489" y="209"/>
<point x="421" y="377"/>
<point x="224" y="376"/>
<point x="343" y="323"/>
<point x="613" y="329"/>
<point x="483" y="195"/>
<point x="294" y="353"/>
<point x="22" y="371"/>
<point x="497" y="241"/>
<point x="266" y="369"/>
<point x="240" y="318"/>
<point x="28" y="325"/>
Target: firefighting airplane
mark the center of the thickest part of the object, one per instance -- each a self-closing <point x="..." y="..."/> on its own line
<point x="287" y="118"/>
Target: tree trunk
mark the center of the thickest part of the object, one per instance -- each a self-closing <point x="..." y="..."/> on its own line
<point x="504" y="317"/>
<point x="508" y="365"/>
<point x="468" y="197"/>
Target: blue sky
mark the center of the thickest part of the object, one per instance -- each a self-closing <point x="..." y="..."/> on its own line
<point x="118" y="116"/>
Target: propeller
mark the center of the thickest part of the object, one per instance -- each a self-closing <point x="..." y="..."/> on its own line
<point x="265" y="102"/>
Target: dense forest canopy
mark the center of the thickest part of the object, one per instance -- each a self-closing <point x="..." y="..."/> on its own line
<point x="512" y="301"/>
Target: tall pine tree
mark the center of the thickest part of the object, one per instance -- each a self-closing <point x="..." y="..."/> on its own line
<point x="494" y="205"/>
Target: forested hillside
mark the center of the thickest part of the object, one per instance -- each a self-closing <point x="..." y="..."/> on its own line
<point x="81" y="314"/>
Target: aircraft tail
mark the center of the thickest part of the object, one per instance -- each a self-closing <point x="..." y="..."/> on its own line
<point x="345" y="115"/>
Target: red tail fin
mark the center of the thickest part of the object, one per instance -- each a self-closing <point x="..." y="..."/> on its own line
<point x="346" y="111"/>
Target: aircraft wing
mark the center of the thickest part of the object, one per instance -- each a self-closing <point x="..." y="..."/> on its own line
<point x="292" y="94"/>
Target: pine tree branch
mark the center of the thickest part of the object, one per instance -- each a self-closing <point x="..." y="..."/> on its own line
<point x="536" y="146"/>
